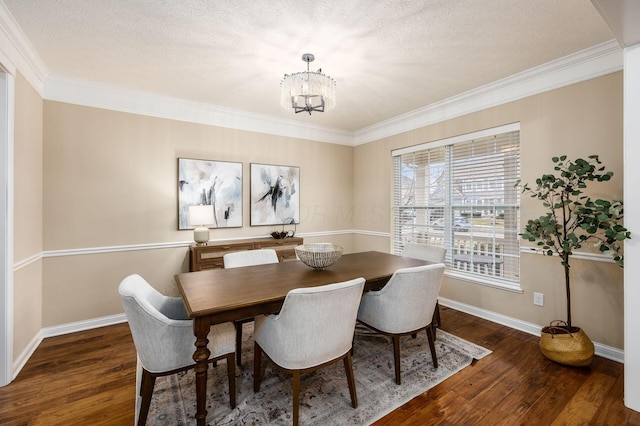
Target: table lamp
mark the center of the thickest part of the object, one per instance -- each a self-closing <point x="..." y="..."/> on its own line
<point x="199" y="216"/>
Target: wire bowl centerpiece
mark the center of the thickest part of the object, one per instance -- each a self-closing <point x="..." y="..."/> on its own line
<point x="319" y="256"/>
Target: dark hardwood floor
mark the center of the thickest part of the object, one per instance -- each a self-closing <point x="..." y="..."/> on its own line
<point x="88" y="378"/>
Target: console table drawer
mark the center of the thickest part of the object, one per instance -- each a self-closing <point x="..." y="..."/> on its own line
<point x="216" y="263"/>
<point x="214" y="252"/>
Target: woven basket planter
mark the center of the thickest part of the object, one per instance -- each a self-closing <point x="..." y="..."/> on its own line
<point x="572" y="348"/>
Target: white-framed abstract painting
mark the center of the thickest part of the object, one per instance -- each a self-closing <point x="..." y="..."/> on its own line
<point x="208" y="182"/>
<point x="275" y="194"/>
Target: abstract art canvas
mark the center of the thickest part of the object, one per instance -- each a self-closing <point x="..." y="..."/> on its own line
<point x="215" y="183"/>
<point x="275" y="194"/>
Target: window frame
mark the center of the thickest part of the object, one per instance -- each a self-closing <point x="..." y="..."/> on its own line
<point x="509" y="280"/>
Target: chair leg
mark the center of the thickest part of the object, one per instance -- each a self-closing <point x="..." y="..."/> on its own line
<point x="257" y="370"/>
<point x="146" y="391"/>
<point x="348" y="369"/>
<point x="231" y="375"/>
<point x="432" y="346"/>
<point x="238" y="343"/>
<point x="296" y="396"/>
<point x="396" y="357"/>
<point x="353" y="341"/>
<point x="143" y="380"/>
<point x="435" y="321"/>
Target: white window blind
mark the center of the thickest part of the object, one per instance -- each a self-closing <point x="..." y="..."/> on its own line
<point x="459" y="193"/>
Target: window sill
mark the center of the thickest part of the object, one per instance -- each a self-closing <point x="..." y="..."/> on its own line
<point x="487" y="282"/>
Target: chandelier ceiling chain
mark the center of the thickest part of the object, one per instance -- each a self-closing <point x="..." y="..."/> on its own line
<point x="308" y="90"/>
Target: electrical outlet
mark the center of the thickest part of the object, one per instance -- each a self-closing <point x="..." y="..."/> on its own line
<point x="538" y="299"/>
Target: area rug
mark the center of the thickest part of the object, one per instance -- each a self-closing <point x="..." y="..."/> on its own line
<point x="324" y="394"/>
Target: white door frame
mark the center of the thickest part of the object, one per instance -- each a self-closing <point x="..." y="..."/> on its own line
<point x="6" y="225"/>
<point x="632" y="222"/>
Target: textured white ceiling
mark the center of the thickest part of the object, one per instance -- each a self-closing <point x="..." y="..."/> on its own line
<point x="388" y="57"/>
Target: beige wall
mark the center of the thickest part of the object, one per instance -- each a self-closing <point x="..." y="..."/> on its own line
<point x="577" y="120"/>
<point x="110" y="180"/>
<point x="27" y="286"/>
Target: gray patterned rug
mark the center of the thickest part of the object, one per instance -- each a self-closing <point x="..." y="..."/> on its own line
<point x="324" y="395"/>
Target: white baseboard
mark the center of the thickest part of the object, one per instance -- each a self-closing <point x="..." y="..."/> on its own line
<point x="604" y="351"/>
<point x="609" y="352"/>
<point x="83" y="325"/>
<point x="58" y="330"/>
<point x="26" y="354"/>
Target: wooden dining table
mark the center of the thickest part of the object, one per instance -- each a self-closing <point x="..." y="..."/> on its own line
<point x="223" y="295"/>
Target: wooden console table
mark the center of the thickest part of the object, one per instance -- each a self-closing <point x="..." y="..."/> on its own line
<point x="211" y="255"/>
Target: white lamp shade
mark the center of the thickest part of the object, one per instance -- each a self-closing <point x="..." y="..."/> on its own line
<point x="200" y="215"/>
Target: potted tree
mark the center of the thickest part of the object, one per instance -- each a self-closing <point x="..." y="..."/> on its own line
<point x="573" y="219"/>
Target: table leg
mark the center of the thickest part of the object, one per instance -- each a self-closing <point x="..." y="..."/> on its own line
<point x="201" y="327"/>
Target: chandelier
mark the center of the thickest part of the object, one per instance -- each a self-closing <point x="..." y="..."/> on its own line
<point x="308" y="90"/>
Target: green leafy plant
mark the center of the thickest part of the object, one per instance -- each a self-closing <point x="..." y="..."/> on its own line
<point x="573" y="218"/>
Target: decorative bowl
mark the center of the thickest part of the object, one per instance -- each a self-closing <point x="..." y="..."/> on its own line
<point x="319" y="255"/>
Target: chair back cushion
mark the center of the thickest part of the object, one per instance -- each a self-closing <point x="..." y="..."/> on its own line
<point x="406" y="303"/>
<point x="239" y="259"/>
<point x="314" y="326"/>
<point x="425" y="252"/>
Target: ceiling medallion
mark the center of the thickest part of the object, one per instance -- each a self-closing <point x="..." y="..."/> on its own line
<point x="308" y="90"/>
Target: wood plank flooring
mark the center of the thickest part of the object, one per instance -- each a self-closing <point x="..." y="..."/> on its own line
<point x="88" y="378"/>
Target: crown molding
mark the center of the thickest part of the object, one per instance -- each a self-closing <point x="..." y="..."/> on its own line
<point x="17" y="52"/>
<point x="596" y="61"/>
<point x="99" y="95"/>
<point x="590" y="63"/>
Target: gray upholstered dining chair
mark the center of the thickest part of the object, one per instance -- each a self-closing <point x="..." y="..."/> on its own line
<point x="429" y="253"/>
<point x="240" y="259"/>
<point x="405" y="305"/>
<point x="313" y="329"/>
<point x="164" y="340"/>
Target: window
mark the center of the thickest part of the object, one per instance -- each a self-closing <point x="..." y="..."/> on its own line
<point x="459" y="193"/>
